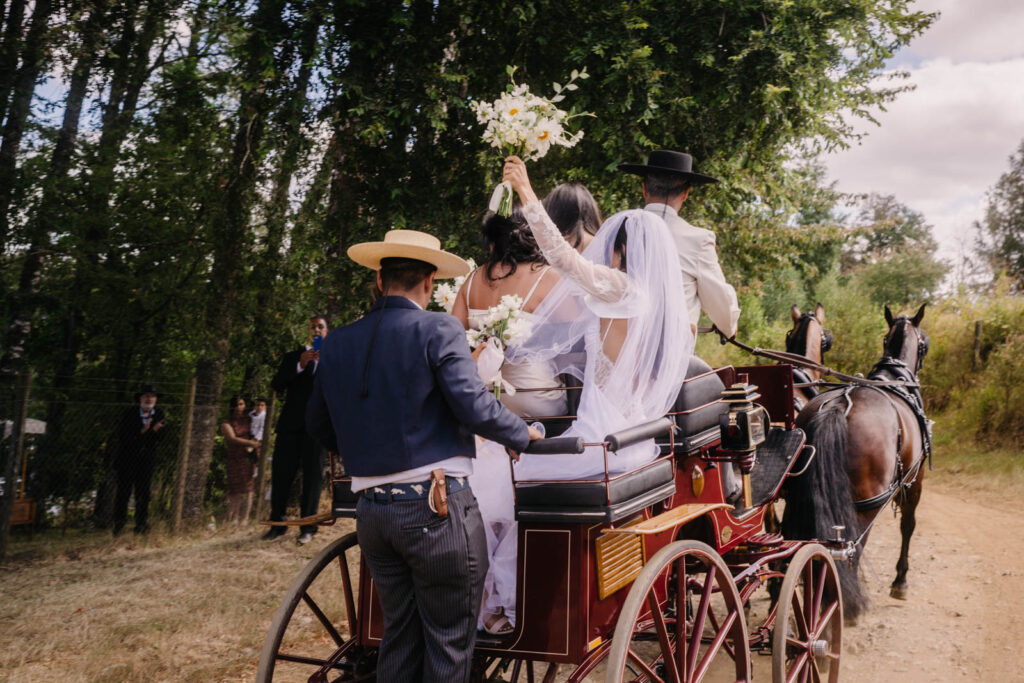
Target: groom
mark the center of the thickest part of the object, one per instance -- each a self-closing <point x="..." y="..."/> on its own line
<point x="398" y="397"/>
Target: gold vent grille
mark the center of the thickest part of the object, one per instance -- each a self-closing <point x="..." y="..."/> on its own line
<point x="620" y="557"/>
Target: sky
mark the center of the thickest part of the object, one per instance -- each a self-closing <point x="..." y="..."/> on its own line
<point x="940" y="147"/>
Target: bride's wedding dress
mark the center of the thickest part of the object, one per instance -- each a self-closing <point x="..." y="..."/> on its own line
<point x="491" y="479"/>
<point x="645" y="377"/>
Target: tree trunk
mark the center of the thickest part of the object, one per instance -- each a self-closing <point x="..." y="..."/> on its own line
<point x="15" y="17"/>
<point x="265" y="275"/>
<point x="33" y="58"/>
<point x="231" y="230"/>
<point x="53" y="200"/>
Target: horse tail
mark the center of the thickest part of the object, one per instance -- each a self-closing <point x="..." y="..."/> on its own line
<point x="820" y="498"/>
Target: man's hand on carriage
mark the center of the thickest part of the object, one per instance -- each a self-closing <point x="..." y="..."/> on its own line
<point x="534" y="435"/>
<point x="515" y="175"/>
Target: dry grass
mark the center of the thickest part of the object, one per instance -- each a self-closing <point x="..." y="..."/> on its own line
<point x="84" y="607"/>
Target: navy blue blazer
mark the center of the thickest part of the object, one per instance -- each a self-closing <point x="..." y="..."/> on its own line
<point x="424" y="398"/>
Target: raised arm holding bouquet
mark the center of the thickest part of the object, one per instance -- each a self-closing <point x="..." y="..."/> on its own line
<point x="524" y="124"/>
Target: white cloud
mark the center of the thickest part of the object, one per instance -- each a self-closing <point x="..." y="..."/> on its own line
<point x="970" y="30"/>
<point x="941" y="146"/>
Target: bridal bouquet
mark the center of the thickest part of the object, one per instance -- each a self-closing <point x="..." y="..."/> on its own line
<point x="445" y="292"/>
<point x="503" y="324"/>
<point x="522" y="123"/>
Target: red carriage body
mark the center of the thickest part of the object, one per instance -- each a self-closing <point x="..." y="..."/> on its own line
<point x="600" y="562"/>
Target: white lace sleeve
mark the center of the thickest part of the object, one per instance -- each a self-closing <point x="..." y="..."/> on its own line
<point x="601" y="282"/>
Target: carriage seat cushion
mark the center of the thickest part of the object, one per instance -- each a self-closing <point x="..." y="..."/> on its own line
<point x="589" y="500"/>
<point x="698" y="400"/>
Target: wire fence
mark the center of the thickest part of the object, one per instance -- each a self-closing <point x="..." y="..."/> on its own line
<point x="77" y="470"/>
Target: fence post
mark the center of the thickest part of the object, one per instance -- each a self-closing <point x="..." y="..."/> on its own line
<point x="976" y="361"/>
<point x="18" y="405"/>
<point x="183" y="452"/>
<point x="261" y="470"/>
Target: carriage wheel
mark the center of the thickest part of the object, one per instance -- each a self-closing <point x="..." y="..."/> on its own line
<point x="808" y="634"/>
<point x="314" y="633"/>
<point x="682" y="616"/>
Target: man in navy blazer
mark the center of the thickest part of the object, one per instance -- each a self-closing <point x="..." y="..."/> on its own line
<point x="399" y="398"/>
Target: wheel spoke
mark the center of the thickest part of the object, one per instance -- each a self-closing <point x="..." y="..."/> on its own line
<point x="322" y="618"/>
<point x="715" y="646"/>
<point x="819" y="588"/>
<point x="682" y="645"/>
<point x="820" y="627"/>
<point x="699" y="617"/>
<point x="667" y="650"/>
<point x="798" y="615"/>
<point x="350" y="600"/>
<point x="638" y="660"/>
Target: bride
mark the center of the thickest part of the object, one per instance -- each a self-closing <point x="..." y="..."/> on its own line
<point x="516" y="266"/>
<point x="622" y="298"/>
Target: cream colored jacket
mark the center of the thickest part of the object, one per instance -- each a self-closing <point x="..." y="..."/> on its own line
<point x="704" y="285"/>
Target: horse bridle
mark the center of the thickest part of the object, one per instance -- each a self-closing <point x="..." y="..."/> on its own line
<point x="900" y="324"/>
<point x="796" y="338"/>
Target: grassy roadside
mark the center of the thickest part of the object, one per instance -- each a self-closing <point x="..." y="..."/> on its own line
<point x="962" y="462"/>
<point x="85" y="607"/>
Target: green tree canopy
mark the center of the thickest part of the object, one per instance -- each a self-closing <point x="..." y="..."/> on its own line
<point x="1000" y="232"/>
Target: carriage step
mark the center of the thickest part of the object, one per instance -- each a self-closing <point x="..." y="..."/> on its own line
<point x="765" y="539"/>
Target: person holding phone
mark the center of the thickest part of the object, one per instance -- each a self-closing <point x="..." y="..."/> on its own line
<point x="294" y="450"/>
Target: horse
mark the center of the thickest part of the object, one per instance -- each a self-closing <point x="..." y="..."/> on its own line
<point x="871" y="440"/>
<point x="808" y="338"/>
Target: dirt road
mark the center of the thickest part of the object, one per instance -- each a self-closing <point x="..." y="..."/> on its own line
<point x="964" y="617"/>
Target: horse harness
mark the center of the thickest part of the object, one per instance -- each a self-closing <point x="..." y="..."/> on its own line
<point x="906" y="389"/>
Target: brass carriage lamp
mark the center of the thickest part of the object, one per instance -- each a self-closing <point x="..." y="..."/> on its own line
<point x="743" y="429"/>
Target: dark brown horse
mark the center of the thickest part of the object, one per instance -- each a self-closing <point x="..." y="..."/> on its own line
<point x="871" y="442"/>
<point x="810" y="339"/>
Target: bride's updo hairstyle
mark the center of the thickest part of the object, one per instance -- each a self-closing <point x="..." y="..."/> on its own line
<point x="509" y="242"/>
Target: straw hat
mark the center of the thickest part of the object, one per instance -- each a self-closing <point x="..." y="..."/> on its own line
<point x="411" y="244"/>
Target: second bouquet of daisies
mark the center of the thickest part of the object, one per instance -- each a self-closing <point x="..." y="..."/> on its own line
<point x="525" y="124"/>
<point x="502" y="325"/>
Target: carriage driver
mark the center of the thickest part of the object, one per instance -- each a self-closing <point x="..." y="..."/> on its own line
<point x="668" y="178"/>
<point x="398" y="397"/>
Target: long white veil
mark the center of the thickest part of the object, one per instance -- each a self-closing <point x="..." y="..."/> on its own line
<point x="644" y="381"/>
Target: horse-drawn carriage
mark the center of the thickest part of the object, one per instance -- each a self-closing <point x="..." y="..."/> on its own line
<point x="648" y="575"/>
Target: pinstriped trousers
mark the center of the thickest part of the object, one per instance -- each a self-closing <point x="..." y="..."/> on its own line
<point x="429" y="572"/>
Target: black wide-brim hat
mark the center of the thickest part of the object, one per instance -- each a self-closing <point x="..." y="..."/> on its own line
<point x="146" y="389"/>
<point x="668" y="161"/>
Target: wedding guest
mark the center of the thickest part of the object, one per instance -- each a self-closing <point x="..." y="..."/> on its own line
<point x="258" y="417"/>
<point x="398" y="397"/>
<point x="514" y="266"/>
<point x="294" y="450"/>
<point x="139" y="430"/>
<point x="243" y="452"/>
<point x="572" y="208"/>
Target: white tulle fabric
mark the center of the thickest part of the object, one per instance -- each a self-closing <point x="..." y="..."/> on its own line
<point x="644" y="380"/>
<point x="492" y="476"/>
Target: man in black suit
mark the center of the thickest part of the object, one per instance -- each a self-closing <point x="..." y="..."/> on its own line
<point x="294" y="450"/>
<point x="139" y="429"/>
<point x="399" y="397"/>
